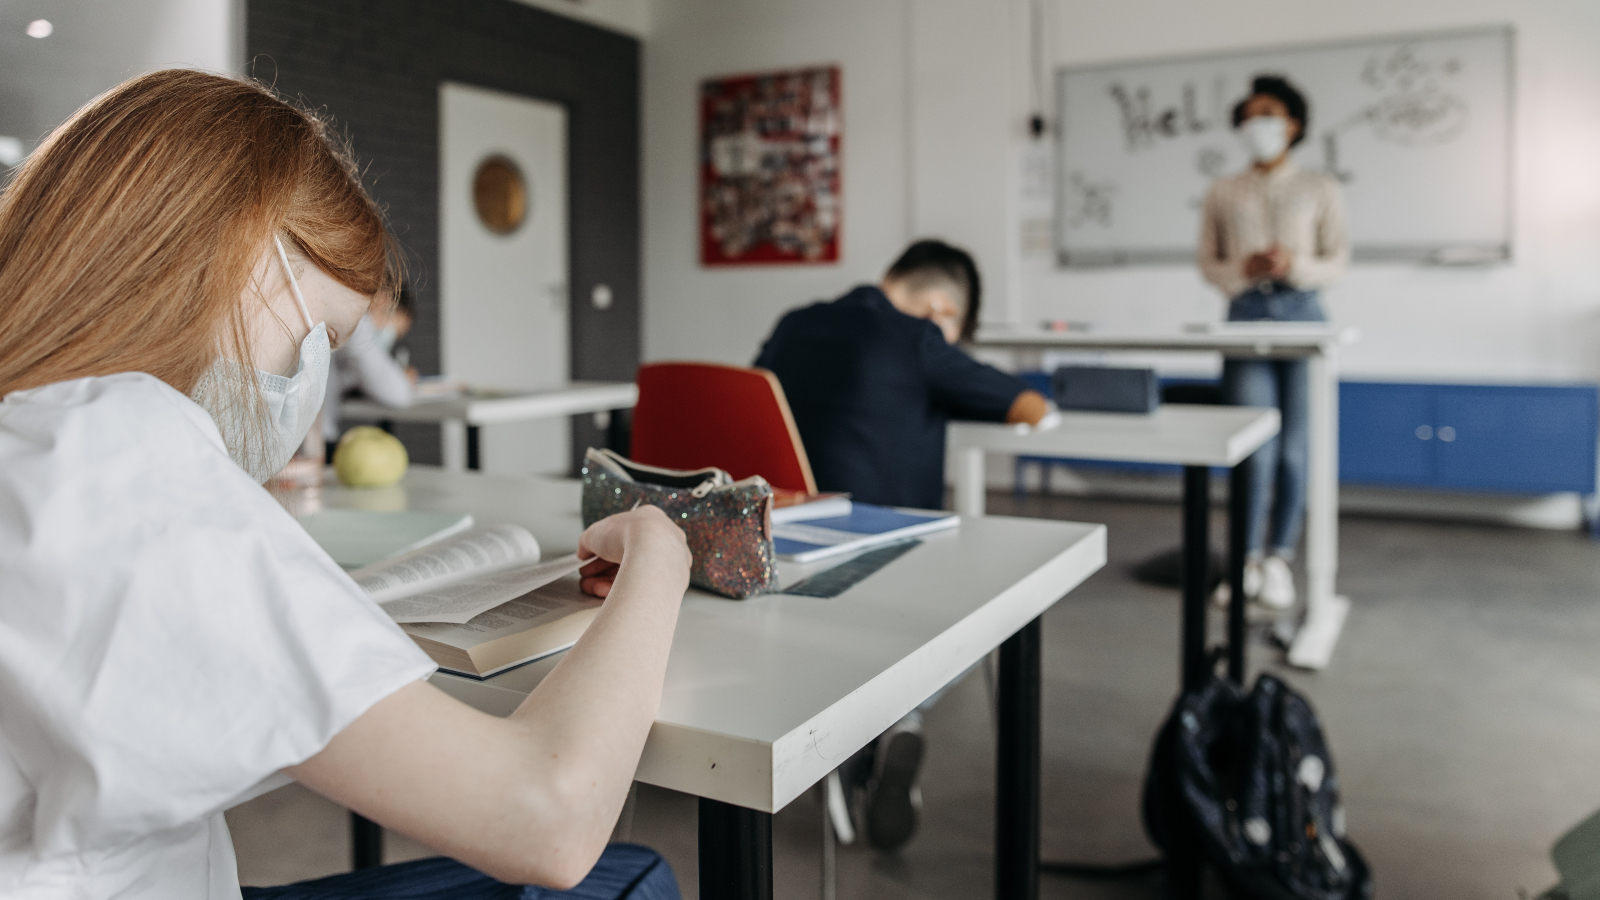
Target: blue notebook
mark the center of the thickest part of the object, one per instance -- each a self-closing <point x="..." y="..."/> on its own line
<point x="865" y="526"/>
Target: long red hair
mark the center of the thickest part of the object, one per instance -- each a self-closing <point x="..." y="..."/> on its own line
<point x="129" y="237"/>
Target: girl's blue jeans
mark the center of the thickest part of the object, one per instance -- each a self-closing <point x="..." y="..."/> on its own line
<point x="624" y="872"/>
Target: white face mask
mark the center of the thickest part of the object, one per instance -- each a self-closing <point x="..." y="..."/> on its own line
<point x="291" y="402"/>
<point x="1266" y="137"/>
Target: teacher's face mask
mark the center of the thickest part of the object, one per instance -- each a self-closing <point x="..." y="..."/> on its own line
<point x="290" y="402"/>
<point x="1266" y="137"/>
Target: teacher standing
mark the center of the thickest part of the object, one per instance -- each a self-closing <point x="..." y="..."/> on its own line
<point x="1271" y="237"/>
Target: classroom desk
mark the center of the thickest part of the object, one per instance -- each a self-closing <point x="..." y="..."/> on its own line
<point x="459" y="418"/>
<point x="1318" y="344"/>
<point x="764" y="697"/>
<point x="1195" y="437"/>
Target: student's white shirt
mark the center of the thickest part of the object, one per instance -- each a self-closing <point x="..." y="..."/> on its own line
<point x="364" y="365"/>
<point x="170" y="639"/>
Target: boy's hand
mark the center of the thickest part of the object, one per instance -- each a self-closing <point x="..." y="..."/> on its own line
<point x="1028" y="409"/>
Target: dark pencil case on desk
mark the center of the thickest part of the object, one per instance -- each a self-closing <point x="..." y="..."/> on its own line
<point x="728" y="523"/>
<point x="1105" y="389"/>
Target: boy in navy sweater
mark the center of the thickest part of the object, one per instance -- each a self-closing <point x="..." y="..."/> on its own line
<point x="874" y="376"/>
<point x="872" y="379"/>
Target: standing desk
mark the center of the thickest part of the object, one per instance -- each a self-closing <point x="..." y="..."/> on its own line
<point x="1195" y="437"/>
<point x="764" y="697"/>
<point x="1317" y="343"/>
<point x="459" y="418"/>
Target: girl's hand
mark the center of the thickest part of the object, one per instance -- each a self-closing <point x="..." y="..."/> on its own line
<point x="641" y="536"/>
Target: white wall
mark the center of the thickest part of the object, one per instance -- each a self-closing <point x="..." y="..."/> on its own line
<point x="722" y="314"/>
<point x="97" y="44"/>
<point x="952" y="76"/>
<point x="630" y="17"/>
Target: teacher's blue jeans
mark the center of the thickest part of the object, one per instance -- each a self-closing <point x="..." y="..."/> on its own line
<point x="1278" y="478"/>
<point x="624" y="872"/>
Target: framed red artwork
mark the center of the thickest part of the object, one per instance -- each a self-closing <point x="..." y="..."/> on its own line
<point x="769" y="168"/>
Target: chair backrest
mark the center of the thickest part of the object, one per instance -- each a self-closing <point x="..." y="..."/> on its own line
<point x="691" y="415"/>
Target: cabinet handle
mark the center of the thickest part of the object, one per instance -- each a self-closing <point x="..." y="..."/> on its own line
<point x="1446" y="433"/>
<point x="1424" y="432"/>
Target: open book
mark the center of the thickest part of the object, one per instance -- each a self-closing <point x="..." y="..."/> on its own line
<point x="482" y="601"/>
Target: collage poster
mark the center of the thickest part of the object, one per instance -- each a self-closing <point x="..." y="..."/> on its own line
<point x="769" y="168"/>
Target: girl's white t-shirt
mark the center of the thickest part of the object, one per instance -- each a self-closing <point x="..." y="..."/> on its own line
<point x="170" y="639"/>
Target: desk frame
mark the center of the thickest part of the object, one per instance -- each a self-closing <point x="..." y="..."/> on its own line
<point x="1319" y="345"/>
<point x="459" y="419"/>
<point x="736" y="843"/>
<point x="767" y="769"/>
<point x="1017" y="824"/>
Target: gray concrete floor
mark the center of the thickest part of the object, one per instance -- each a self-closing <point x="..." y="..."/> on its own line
<point x="1463" y="706"/>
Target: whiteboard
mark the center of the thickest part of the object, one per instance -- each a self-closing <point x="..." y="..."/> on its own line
<point x="1416" y="128"/>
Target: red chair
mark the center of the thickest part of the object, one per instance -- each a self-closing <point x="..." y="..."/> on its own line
<point x="691" y="415"/>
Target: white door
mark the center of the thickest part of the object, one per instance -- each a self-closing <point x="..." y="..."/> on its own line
<point x="503" y="296"/>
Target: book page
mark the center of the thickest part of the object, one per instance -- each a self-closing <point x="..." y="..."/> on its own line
<point x="460" y="602"/>
<point x="480" y="550"/>
<point x="548" y="604"/>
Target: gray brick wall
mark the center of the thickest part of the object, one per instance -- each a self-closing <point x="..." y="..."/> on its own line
<point x="375" y="66"/>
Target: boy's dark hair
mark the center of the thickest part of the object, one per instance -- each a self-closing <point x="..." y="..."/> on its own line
<point x="928" y="261"/>
<point x="1279" y="88"/>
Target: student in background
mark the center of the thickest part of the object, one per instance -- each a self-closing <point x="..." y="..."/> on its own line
<point x="872" y="379"/>
<point x="1270" y="238"/>
<point x="874" y="376"/>
<point x="366" y="365"/>
<point x="176" y="260"/>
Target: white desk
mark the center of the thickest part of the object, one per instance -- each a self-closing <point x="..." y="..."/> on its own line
<point x="460" y="417"/>
<point x="1195" y="437"/>
<point x="764" y="697"/>
<point x="1318" y="344"/>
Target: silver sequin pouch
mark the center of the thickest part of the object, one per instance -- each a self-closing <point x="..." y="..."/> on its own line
<point x="728" y="523"/>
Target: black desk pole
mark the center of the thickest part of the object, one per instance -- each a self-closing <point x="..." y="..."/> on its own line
<point x="472" y="447"/>
<point x="1196" y="578"/>
<point x="366" y="842"/>
<point x="1016" y="827"/>
<point x="735" y="852"/>
<point x="1238" y="535"/>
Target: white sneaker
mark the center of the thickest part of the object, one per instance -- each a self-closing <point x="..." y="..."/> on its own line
<point x="1277" y="583"/>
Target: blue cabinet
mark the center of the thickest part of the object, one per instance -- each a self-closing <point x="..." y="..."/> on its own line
<point x="1514" y="438"/>
<point x="1378" y="433"/>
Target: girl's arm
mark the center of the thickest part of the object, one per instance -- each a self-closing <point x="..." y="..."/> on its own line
<point x="531" y="798"/>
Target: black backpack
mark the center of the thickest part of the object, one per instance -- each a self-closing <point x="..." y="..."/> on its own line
<point x="1246" y="784"/>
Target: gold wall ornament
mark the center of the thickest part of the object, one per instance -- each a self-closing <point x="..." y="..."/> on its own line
<point x="500" y="195"/>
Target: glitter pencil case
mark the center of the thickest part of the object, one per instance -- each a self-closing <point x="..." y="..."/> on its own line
<point x="728" y="523"/>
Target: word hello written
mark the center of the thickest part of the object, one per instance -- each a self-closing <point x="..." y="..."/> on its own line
<point x="1144" y="122"/>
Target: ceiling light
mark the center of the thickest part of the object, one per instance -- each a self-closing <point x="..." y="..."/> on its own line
<point x="40" y="28"/>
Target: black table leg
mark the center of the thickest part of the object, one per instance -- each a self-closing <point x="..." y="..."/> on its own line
<point x="735" y="852"/>
<point x="472" y="447"/>
<point x="619" y="431"/>
<point x="1196" y="578"/>
<point x="1238" y="534"/>
<point x="1016" y="826"/>
<point x="1182" y="865"/>
<point x="366" y="842"/>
